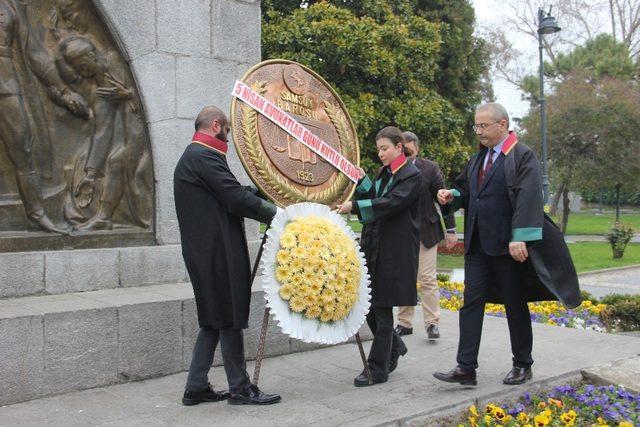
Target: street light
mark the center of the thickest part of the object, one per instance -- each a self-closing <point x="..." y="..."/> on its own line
<point x="546" y="25"/>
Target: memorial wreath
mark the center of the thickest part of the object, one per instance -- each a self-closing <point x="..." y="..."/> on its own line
<point x="314" y="275"/>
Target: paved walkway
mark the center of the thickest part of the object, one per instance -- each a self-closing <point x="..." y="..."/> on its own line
<point x="317" y="386"/>
<point x="625" y="280"/>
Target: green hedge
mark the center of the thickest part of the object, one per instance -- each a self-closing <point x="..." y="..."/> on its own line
<point x="609" y="197"/>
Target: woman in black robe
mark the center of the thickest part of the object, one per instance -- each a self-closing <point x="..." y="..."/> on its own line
<point x="388" y="209"/>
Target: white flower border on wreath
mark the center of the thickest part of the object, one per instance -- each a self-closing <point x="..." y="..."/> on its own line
<point x="295" y="324"/>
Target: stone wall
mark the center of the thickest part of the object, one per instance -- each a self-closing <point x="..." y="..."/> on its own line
<point x="184" y="55"/>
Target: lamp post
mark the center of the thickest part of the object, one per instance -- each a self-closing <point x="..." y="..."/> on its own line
<point x="546" y="25"/>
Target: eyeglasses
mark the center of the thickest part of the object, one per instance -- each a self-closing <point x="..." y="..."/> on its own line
<point x="483" y="126"/>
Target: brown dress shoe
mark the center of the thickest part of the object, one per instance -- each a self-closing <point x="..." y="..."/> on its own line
<point x="457" y="375"/>
<point x="518" y="375"/>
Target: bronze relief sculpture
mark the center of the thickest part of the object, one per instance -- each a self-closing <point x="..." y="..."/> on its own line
<point x="75" y="155"/>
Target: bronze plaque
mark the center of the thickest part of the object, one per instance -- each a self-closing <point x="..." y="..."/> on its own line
<point x="285" y="169"/>
<point x="75" y="155"/>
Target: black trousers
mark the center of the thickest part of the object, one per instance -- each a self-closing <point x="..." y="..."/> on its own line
<point x="482" y="271"/>
<point x="385" y="341"/>
<point x="232" y="343"/>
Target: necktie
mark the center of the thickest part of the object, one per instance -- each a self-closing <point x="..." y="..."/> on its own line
<point x="486" y="170"/>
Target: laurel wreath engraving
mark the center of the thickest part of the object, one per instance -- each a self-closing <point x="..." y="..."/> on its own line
<point x="271" y="177"/>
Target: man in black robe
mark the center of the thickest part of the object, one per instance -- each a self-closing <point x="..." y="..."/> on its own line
<point x="389" y="210"/>
<point x="501" y="192"/>
<point x="211" y="205"/>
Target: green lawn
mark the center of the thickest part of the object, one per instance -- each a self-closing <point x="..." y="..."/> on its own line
<point x="587" y="222"/>
<point x="587" y="256"/>
<point x="579" y="223"/>
<point x="590" y="223"/>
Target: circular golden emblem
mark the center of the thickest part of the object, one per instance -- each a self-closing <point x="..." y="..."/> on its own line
<point x="285" y="169"/>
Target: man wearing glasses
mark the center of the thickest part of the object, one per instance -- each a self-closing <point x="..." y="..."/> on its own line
<point x="498" y="232"/>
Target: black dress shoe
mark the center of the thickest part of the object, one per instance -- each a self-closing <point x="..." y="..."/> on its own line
<point x="207" y="395"/>
<point x="362" y="380"/>
<point x="518" y="375"/>
<point x="433" y="333"/>
<point x="402" y="331"/>
<point x="457" y="375"/>
<point x="253" y="396"/>
<point x="395" y="355"/>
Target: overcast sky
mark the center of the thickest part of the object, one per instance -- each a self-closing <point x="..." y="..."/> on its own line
<point x="488" y="13"/>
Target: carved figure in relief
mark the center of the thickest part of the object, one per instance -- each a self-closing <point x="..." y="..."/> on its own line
<point x="112" y="155"/>
<point x="17" y="44"/>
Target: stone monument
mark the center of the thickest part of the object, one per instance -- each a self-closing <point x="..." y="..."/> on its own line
<point x="98" y="100"/>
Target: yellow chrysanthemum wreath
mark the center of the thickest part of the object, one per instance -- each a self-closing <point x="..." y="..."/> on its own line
<point x="318" y="269"/>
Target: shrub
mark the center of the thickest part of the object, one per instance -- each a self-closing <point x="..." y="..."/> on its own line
<point x="622" y="312"/>
<point x="586" y="296"/>
<point x="618" y="237"/>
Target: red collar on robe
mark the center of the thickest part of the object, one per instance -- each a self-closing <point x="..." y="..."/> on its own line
<point x="397" y="163"/>
<point x="211" y="142"/>
<point x="508" y="144"/>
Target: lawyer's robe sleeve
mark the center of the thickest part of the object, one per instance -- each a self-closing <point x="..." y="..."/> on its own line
<point x="528" y="212"/>
<point x="399" y="198"/>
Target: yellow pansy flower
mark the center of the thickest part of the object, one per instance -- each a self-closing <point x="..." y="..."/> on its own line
<point x="523" y="417"/>
<point x="541" y="420"/>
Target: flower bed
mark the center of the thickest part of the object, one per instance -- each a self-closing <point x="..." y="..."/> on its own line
<point x="456" y="250"/>
<point x="585" y="405"/>
<point x="586" y="316"/>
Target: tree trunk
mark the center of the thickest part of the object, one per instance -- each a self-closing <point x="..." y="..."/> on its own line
<point x="613" y="20"/>
<point x="566" y="209"/>
<point x="553" y="209"/>
<point x="618" y="202"/>
<point x="600" y="203"/>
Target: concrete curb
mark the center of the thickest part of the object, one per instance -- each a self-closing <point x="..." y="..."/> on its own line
<point x="608" y="270"/>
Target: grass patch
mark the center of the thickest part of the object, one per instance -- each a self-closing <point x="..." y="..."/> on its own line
<point x="590" y="223"/>
<point x="587" y="256"/>
<point x="448" y="262"/>
<point x="581" y="223"/>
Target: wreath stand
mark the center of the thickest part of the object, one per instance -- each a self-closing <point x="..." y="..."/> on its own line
<point x="265" y="324"/>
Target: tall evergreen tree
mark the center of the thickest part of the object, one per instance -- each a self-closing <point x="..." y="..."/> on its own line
<point x="411" y="63"/>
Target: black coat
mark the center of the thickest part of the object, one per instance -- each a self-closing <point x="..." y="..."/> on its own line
<point x="509" y="207"/>
<point x="430" y="225"/>
<point x="210" y="205"/>
<point x="390" y="236"/>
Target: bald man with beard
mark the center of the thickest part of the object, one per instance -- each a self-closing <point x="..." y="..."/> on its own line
<point x="211" y="205"/>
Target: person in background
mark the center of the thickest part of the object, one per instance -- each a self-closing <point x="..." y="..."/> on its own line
<point x="430" y="235"/>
